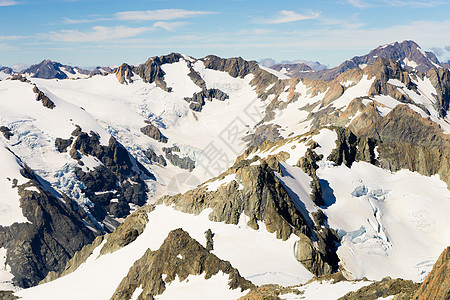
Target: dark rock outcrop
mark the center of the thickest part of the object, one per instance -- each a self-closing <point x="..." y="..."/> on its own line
<point x="259" y="194"/>
<point x="148" y="271"/>
<point x="197" y="101"/>
<point x="181" y="162"/>
<point x="52" y="237"/>
<point x="62" y="144"/>
<point x="399" y="288"/>
<point x="440" y="79"/>
<point x="7" y="295"/>
<point x="151" y="70"/>
<point x="308" y="164"/>
<point x="114" y="184"/>
<point x="437" y="284"/>
<point x="266" y="132"/>
<point x="7" y="133"/>
<point x="236" y="66"/>
<point x="154" y="132"/>
<point x="20" y="78"/>
<point x="124" y="74"/>
<point x="128" y="231"/>
<point x="40" y="96"/>
<point x="155" y="158"/>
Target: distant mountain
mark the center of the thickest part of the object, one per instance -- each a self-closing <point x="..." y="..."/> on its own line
<point x="48" y="69"/>
<point x="270" y="63"/>
<point x="292" y="70"/>
<point x="6" y="70"/>
<point x="407" y="53"/>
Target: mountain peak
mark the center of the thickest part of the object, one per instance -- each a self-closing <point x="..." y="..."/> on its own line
<point x="407" y="53"/>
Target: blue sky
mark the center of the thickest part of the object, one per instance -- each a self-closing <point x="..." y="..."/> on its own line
<point x="101" y="32"/>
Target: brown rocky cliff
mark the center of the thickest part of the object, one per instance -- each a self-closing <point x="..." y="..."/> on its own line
<point x="437" y="284"/>
<point x="259" y="194"/>
<point x="179" y="256"/>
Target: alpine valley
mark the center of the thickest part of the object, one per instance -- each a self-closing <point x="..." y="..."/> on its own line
<point x="214" y="178"/>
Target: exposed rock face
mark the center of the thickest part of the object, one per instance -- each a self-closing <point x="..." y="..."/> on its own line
<point x="62" y="144"/>
<point x="148" y="270"/>
<point x="124" y="74"/>
<point x="159" y="159"/>
<point x="154" y="132"/>
<point x="113" y="185"/>
<point x="263" y="198"/>
<point x="268" y="132"/>
<point x="7" y="295"/>
<point x="20" y="78"/>
<point x="128" y="231"/>
<point x="40" y="96"/>
<point x="406" y="53"/>
<point x="46" y="69"/>
<point x="198" y="99"/>
<point x="350" y="148"/>
<point x="52" y="237"/>
<point x="6" y="132"/>
<point x="125" y="234"/>
<point x="437" y="284"/>
<point x="440" y="78"/>
<point x="236" y="66"/>
<point x="151" y="70"/>
<point x="181" y="162"/>
<point x="77" y="260"/>
<point x="399" y="288"/>
<point x="269" y="292"/>
<point x="309" y="166"/>
<point x="404" y="140"/>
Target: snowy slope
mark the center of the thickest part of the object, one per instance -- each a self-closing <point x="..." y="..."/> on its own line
<point x="390" y="223"/>
<point x="10" y="210"/>
<point x="265" y="259"/>
<point x="122" y="110"/>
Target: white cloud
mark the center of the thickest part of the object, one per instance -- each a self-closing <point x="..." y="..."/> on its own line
<point x="10" y="37"/>
<point x="8" y="2"/>
<point x="412" y="4"/>
<point x="97" y="34"/>
<point x="72" y="21"/>
<point x="287" y="16"/>
<point x="158" y="15"/>
<point x="169" y="26"/>
<point x="359" y="3"/>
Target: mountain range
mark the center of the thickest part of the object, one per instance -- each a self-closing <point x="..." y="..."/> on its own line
<point x="220" y="178"/>
<point x="406" y="53"/>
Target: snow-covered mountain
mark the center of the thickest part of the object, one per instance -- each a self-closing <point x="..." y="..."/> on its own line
<point x="48" y="69"/>
<point x="407" y="53"/>
<point x="272" y="180"/>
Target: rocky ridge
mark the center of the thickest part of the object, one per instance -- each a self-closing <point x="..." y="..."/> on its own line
<point x="52" y="236"/>
<point x="148" y="271"/>
<point x="258" y="194"/>
<point x="437" y="284"/>
<point x="407" y="53"/>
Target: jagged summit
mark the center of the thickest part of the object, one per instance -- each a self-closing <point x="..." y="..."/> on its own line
<point x="407" y="53"/>
<point x="48" y="69"/>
